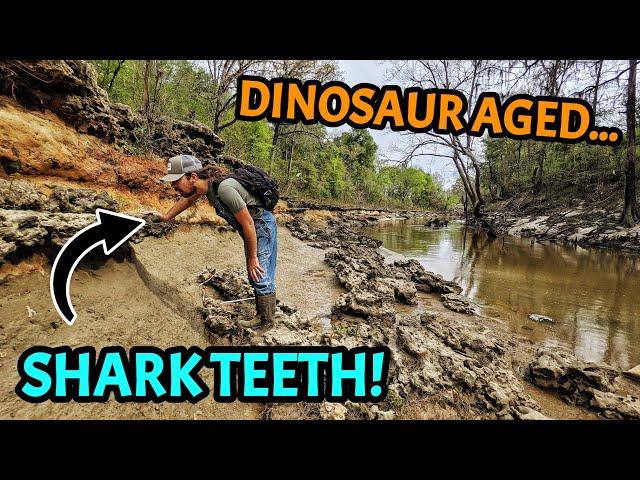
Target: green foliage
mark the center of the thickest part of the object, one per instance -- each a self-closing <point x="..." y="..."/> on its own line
<point x="177" y="88"/>
<point x="250" y="141"/>
<point x="512" y="166"/>
<point x="411" y="187"/>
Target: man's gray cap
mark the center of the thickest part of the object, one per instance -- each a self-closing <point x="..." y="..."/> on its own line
<point x="179" y="165"/>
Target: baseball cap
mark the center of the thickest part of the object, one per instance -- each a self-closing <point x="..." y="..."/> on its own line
<point x="179" y="165"/>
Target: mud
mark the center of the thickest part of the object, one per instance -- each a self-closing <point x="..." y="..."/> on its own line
<point x="114" y="307"/>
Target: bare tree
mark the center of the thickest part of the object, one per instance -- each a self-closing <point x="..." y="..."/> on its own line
<point x="467" y="77"/>
<point x="597" y="67"/>
<point x="224" y="75"/>
<point x="115" y="74"/>
<point x="630" y="214"/>
<point x="146" y="99"/>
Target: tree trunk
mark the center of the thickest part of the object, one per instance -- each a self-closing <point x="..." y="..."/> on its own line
<point x="466" y="212"/>
<point x="115" y="74"/>
<point x="538" y="172"/>
<point x="146" y="103"/>
<point x="478" y="200"/>
<point x="596" y="87"/>
<point x="630" y="214"/>
<point x="290" y="165"/>
<point x="274" y="141"/>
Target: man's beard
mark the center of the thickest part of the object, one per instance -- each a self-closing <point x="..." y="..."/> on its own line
<point x="188" y="194"/>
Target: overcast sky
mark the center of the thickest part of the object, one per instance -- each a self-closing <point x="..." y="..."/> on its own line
<point x="374" y="71"/>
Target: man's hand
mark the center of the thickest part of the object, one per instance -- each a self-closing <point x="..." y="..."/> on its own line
<point x="254" y="269"/>
<point x="159" y="217"/>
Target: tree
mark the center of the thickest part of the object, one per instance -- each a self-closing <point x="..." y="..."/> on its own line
<point x="224" y="75"/>
<point x="630" y="213"/>
<point x="358" y="151"/>
<point x="467" y="77"/>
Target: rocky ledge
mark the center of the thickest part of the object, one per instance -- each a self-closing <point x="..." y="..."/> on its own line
<point x="33" y="222"/>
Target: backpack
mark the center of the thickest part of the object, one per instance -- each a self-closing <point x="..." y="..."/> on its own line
<point x="257" y="183"/>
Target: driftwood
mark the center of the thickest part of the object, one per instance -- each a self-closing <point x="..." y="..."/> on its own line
<point x="549" y="237"/>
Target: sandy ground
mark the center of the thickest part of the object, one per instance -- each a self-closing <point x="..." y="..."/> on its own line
<point x="170" y="266"/>
<point x="116" y="306"/>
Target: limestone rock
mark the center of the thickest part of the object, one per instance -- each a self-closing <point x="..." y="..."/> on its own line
<point x="28" y="229"/>
<point x="615" y="406"/>
<point x="458" y="303"/>
<point x="333" y="411"/>
<point x="364" y="304"/>
<point x="586" y="384"/>
<point x="403" y="291"/>
<point x="541" y="318"/>
<point x="16" y="194"/>
<point x="425" y="281"/>
<point x="81" y="200"/>
<point x="231" y="283"/>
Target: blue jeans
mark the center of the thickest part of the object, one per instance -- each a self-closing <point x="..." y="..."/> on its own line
<point x="267" y="236"/>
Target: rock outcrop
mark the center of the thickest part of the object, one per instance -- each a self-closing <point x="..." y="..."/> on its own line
<point x="338" y="232"/>
<point x="69" y="88"/>
<point x="588" y="385"/>
<point x="373" y="286"/>
<point x="31" y="221"/>
<point x="431" y="356"/>
<point x="25" y="231"/>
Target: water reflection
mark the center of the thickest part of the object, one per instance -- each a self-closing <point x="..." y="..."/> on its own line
<point x="592" y="294"/>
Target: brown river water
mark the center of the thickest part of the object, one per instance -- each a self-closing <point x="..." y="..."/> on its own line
<point x="593" y="295"/>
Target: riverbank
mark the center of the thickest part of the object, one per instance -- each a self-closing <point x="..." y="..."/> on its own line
<point x="358" y="264"/>
<point x="568" y="215"/>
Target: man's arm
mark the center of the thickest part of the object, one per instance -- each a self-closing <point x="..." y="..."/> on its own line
<point x="250" y="244"/>
<point x="179" y="207"/>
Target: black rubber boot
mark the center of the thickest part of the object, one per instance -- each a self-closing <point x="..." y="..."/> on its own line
<point x="265" y="312"/>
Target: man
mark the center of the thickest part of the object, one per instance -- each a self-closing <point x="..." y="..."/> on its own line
<point x="244" y="212"/>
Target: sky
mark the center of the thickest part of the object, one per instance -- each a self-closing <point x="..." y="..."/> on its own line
<point x="376" y="72"/>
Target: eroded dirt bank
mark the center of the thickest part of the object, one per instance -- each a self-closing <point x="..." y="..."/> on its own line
<point x="114" y="308"/>
<point x="567" y="216"/>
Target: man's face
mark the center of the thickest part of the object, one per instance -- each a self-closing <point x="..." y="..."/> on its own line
<point x="184" y="185"/>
